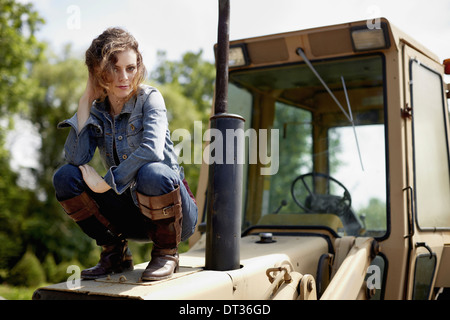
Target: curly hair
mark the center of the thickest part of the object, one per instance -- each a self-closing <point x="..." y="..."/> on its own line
<point x="101" y="58"/>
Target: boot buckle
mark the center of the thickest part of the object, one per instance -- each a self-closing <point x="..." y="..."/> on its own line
<point x="165" y="212"/>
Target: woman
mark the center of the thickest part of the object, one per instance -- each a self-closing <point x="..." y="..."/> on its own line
<point x="143" y="195"/>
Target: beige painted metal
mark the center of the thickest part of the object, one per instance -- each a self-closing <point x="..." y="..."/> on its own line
<point x="288" y="290"/>
<point x="249" y="282"/>
<point x="349" y="280"/>
<point x="308" y="288"/>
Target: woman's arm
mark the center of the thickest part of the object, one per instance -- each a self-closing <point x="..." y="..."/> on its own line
<point x="90" y="94"/>
<point x="79" y="147"/>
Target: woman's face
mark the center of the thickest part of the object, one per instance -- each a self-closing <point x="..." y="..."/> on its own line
<point x="123" y="74"/>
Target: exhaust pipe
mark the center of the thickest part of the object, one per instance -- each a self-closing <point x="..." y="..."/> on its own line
<point x="224" y="197"/>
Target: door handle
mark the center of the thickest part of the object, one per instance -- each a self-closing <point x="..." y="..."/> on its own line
<point x="411" y="214"/>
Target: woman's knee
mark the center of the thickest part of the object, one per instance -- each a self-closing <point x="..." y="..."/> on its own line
<point x="68" y="182"/>
<point x="154" y="179"/>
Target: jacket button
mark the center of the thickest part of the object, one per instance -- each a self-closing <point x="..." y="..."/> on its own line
<point x="120" y="138"/>
<point x="132" y="127"/>
<point x="124" y="157"/>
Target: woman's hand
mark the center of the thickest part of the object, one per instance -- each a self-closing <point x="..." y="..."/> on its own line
<point x="91" y="93"/>
<point x="94" y="181"/>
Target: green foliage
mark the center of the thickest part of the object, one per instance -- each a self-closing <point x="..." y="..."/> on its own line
<point x="374" y="214"/>
<point x="44" y="89"/>
<point x="193" y="76"/>
<point x="18" y="49"/>
<point x="294" y="140"/>
<point x="13" y="205"/>
<point x="140" y="251"/>
<point x="61" y="274"/>
<point x="16" y="293"/>
<point x="28" y="271"/>
<point x="60" y="81"/>
<point x="49" y="266"/>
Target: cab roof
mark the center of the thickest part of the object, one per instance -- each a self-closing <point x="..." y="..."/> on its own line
<point x="318" y="43"/>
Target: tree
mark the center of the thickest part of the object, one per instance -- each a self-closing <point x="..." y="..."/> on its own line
<point x="374" y="214"/>
<point x="192" y="75"/>
<point x="12" y="199"/>
<point x="30" y="216"/>
<point x="18" y="49"/>
<point x="60" y="81"/>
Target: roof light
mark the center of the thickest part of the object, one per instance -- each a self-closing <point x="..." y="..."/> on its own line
<point x="364" y="39"/>
<point x="237" y="56"/>
<point x="447" y="66"/>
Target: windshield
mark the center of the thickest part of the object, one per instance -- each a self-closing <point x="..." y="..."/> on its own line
<point x="325" y="169"/>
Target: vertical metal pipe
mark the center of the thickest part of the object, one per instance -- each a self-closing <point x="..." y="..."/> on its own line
<point x="223" y="44"/>
<point x="224" y="197"/>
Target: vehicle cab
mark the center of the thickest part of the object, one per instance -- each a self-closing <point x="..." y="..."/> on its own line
<point x="346" y="134"/>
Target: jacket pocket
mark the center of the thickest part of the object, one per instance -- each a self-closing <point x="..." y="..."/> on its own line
<point x="97" y="134"/>
<point x="135" y="131"/>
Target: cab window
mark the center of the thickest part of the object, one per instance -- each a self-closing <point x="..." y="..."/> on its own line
<point x="331" y="171"/>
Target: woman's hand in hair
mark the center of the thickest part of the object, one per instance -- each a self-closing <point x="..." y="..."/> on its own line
<point x="90" y="94"/>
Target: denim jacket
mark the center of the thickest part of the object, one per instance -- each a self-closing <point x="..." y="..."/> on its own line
<point x="140" y="133"/>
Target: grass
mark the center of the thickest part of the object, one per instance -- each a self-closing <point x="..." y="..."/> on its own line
<point x="16" y="293"/>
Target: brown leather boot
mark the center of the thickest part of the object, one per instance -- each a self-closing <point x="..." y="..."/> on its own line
<point x="114" y="258"/>
<point x="162" y="265"/>
<point x="85" y="212"/>
<point x="166" y="215"/>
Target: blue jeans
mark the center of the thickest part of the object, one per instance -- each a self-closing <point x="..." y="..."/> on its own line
<point x="153" y="179"/>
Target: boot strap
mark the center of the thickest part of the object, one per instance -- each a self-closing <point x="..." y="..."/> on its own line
<point x="82" y="207"/>
<point x="160" y="207"/>
<point x="159" y="214"/>
<point x="79" y="208"/>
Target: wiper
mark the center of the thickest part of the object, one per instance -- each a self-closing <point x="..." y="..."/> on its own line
<point x="353" y="123"/>
<point x="301" y="53"/>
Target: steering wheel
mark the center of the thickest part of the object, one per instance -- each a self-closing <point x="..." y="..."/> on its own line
<point x="318" y="202"/>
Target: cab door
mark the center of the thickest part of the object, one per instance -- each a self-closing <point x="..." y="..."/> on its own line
<point x="428" y="182"/>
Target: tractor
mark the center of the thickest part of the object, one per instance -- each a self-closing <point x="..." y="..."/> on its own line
<point x="325" y="174"/>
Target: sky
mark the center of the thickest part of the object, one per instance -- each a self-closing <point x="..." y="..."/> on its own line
<point x="178" y="26"/>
